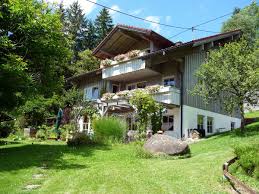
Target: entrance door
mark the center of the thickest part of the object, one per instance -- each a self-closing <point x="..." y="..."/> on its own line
<point x="168" y="123"/>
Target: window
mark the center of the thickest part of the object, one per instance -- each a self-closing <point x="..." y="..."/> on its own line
<point x="232" y="125"/>
<point x="136" y="85"/>
<point x="131" y="87"/>
<point x="95" y="93"/>
<point x="168" y="122"/>
<point x="209" y="124"/>
<point x="115" y="88"/>
<point x="141" y="85"/>
<point x="169" y="81"/>
<point x="200" y="119"/>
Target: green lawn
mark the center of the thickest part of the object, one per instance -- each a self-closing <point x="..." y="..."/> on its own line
<point x="116" y="169"/>
<point x="252" y="114"/>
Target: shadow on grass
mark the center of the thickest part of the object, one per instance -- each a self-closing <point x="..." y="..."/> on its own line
<point x="47" y="155"/>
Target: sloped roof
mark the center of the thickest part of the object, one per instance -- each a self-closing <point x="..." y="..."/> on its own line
<point x="123" y="38"/>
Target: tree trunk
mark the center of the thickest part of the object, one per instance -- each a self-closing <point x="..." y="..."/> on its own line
<point x="241" y="107"/>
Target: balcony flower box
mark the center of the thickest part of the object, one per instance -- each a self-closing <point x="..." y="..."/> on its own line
<point x="153" y="89"/>
<point x="106" y="63"/>
<point x="107" y="96"/>
<point x="121" y="57"/>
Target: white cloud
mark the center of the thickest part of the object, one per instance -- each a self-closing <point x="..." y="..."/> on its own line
<point x="136" y="12"/>
<point x="86" y="6"/>
<point x="154" y="26"/>
<point x="115" y="7"/>
<point x="168" y="19"/>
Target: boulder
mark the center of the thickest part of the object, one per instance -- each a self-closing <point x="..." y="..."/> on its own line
<point x="165" y="144"/>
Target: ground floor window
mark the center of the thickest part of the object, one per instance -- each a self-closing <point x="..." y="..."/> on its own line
<point x="209" y="124"/>
<point x="200" y="121"/>
<point x="168" y="122"/>
<point x="232" y="125"/>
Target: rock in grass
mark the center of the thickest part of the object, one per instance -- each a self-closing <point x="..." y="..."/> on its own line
<point x="165" y="144"/>
<point x="31" y="187"/>
<point x="38" y="176"/>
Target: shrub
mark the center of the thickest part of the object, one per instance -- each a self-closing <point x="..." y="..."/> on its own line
<point x="109" y="128"/>
<point x="106" y="63"/>
<point x="108" y="96"/>
<point x="6" y="128"/>
<point x="248" y="158"/>
<point x="41" y="134"/>
<point x="79" y="139"/>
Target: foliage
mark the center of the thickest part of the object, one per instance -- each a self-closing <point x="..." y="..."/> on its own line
<point x="108" y="96"/>
<point x="41" y="134"/>
<point x="38" y="109"/>
<point x="6" y="127"/>
<point x="33" y="53"/>
<point x="80" y="107"/>
<point x="85" y="62"/>
<point x="133" y="53"/>
<point x="248" y="158"/>
<point x="106" y="63"/>
<point x="79" y="139"/>
<point x="109" y="128"/>
<point x="245" y="19"/>
<point x="145" y="106"/>
<point x="120" y="57"/>
<point x="156" y="118"/>
<point x="153" y="88"/>
<point x="103" y="24"/>
<point x="231" y="75"/>
<point x="140" y="152"/>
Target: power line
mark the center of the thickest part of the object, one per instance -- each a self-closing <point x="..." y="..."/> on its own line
<point x="193" y="28"/>
<point x="140" y="18"/>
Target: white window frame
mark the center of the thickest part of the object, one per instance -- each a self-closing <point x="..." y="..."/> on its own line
<point x="92" y="95"/>
<point x="202" y="120"/>
<point x="167" y="124"/>
<point x="211" y="125"/>
<point x="168" y="77"/>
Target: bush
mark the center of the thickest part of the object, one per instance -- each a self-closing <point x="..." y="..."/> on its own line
<point x="41" y="134"/>
<point x="6" y="128"/>
<point x="248" y="158"/>
<point x="109" y="128"/>
<point x="79" y="139"/>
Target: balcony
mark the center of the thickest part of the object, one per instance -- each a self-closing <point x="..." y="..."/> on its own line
<point x="166" y="95"/>
<point x="127" y="70"/>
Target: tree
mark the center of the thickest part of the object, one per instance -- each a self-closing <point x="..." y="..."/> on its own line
<point x="230" y="75"/>
<point x="245" y="19"/>
<point x="75" y="27"/>
<point x="86" y="62"/>
<point x="103" y="24"/>
<point x="145" y="106"/>
<point x="34" y="52"/>
<point x="89" y="40"/>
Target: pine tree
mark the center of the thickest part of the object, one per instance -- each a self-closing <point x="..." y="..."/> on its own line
<point x="74" y="26"/>
<point x="90" y="37"/>
<point x="103" y="24"/>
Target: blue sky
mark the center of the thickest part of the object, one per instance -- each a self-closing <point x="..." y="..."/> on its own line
<point x="185" y="13"/>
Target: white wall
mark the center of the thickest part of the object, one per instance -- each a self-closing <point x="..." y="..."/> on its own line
<point x="177" y="122"/>
<point x="219" y="120"/>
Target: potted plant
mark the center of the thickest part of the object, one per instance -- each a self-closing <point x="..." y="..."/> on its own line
<point x="133" y="53"/>
<point x="105" y="63"/>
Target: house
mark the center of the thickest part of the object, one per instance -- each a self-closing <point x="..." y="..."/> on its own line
<point x="156" y="61"/>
